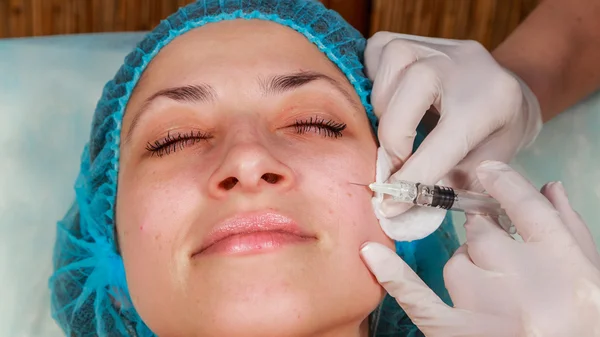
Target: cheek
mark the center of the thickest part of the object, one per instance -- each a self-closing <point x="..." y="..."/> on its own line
<point x="153" y="209"/>
<point x="347" y="207"/>
<point x="352" y="208"/>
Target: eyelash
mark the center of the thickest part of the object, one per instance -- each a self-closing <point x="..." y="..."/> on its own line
<point x="326" y="128"/>
<point x="171" y="144"/>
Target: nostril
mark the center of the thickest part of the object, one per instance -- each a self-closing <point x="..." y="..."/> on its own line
<point x="271" y="178"/>
<point x="228" y="183"/>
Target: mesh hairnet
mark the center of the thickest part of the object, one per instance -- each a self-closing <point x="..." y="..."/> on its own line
<point x="88" y="286"/>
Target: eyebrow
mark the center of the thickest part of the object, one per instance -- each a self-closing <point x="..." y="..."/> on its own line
<point x="204" y="93"/>
<point x="282" y="83"/>
<point x="190" y="93"/>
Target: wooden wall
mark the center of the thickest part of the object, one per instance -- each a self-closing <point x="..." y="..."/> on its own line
<point x="19" y="18"/>
<point x="487" y="21"/>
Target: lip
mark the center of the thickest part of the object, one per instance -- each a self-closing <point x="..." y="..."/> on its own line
<point x="249" y="233"/>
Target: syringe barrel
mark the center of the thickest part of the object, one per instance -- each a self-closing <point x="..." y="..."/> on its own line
<point x="477" y="203"/>
<point x="457" y="200"/>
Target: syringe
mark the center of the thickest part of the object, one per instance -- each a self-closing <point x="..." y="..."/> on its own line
<point x="445" y="198"/>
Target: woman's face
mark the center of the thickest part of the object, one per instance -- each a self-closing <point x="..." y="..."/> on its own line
<point x="235" y="214"/>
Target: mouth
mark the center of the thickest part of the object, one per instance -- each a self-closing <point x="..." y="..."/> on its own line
<point x="253" y="233"/>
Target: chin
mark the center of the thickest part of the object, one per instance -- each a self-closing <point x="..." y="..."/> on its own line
<point x="289" y="317"/>
<point x="254" y="309"/>
<point x="272" y="318"/>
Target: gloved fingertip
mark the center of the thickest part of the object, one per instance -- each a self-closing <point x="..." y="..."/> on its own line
<point x="380" y="260"/>
<point x="490" y="169"/>
<point x="364" y="246"/>
<point x="492" y="165"/>
<point x="560" y="188"/>
<point x="369" y="247"/>
<point x="555" y="191"/>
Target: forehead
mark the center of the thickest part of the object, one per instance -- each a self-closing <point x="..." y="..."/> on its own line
<point x="230" y="51"/>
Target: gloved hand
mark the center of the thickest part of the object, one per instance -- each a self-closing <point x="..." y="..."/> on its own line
<point x="486" y="113"/>
<point x="547" y="285"/>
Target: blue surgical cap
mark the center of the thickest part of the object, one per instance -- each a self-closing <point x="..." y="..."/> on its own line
<point x="88" y="286"/>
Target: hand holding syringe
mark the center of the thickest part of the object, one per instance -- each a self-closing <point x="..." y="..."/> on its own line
<point x="445" y="198"/>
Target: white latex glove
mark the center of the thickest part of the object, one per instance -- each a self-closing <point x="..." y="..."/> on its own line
<point x="547" y="285"/>
<point x="414" y="224"/>
<point x="486" y="113"/>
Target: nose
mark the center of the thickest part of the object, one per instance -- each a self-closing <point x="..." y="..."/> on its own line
<point x="250" y="168"/>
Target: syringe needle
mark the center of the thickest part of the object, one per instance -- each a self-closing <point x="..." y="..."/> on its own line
<point x="357" y="184"/>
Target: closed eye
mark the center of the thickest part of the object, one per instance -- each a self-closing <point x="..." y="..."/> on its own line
<point x="326" y="128"/>
<point x="172" y="143"/>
